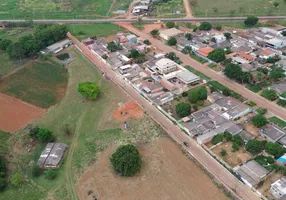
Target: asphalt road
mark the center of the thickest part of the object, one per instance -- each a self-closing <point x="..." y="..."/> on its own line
<point x="220" y="173"/>
<point x="260" y="101"/>
<point x="186" y="19"/>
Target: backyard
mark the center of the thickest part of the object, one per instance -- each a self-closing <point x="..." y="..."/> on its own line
<point x="223" y="8"/>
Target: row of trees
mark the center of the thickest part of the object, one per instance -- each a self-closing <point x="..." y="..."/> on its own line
<point x="198" y="94"/>
<point x="30" y="45"/>
<point x="234" y="71"/>
<point x="236" y="140"/>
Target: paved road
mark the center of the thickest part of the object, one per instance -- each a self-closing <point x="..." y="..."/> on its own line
<point x="217" y="170"/>
<point x="186" y="19"/>
<point x="271" y="106"/>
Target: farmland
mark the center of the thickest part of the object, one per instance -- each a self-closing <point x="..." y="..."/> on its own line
<point x="224" y="8"/>
<point x="62" y="9"/>
<point x="40" y="83"/>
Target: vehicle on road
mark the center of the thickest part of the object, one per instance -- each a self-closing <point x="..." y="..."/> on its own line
<point x="186" y="144"/>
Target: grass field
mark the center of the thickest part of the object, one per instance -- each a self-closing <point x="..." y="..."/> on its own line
<point x="15" y="33"/>
<point x="7" y="65"/>
<point x="170" y="8"/>
<point x="83" y="31"/>
<point x="61" y="9"/>
<point x="4" y="149"/>
<point x="40" y="83"/>
<point x="278" y="122"/>
<point x="221" y="8"/>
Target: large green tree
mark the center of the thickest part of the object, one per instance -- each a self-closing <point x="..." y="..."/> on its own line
<point x="126" y="160"/>
<point x="251" y="21"/>
<point x="45" y="135"/>
<point x="170" y="24"/>
<point x="255" y="146"/>
<point x="277" y="73"/>
<point x="259" y="121"/>
<point x="172" y="41"/>
<point x="274" y="149"/>
<point x="206" y="26"/>
<point x="89" y="90"/>
<point x="183" y="109"/>
<point x="217" y="55"/>
<point x="269" y="94"/>
<point x="234" y="71"/>
<point x="4" y="44"/>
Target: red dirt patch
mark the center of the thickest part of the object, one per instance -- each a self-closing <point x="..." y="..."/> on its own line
<point x="166" y="174"/>
<point x="15" y="113"/>
<point x="128" y="110"/>
<point x="149" y="27"/>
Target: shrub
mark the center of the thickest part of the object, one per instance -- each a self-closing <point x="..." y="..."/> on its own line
<point x="89" y="90"/>
<point x="184" y="94"/>
<point x="217" y="139"/>
<point x="172" y="41"/>
<point x="34" y="131"/>
<point x="235" y="147"/>
<point x="147" y="42"/>
<point x="154" y="32"/>
<point x="126" y="160"/>
<point x="3" y="184"/>
<point x="269" y="94"/>
<point x="259" y="121"/>
<point x="237" y="140"/>
<point x="261" y="111"/>
<point x="218" y="27"/>
<point x="274" y="149"/>
<point x="183" y="109"/>
<point x="255" y="146"/>
<point x="51" y="174"/>
<point x="45" y="135"/>
<point x="36" y="171"/>
<point x="170" y="24"/>
<point x="206" y="26"/>
<point x="251" y="21"/>
<point x="17" y="179"/>
<point x="188" y="36"/>
<point x="223" y="152"/>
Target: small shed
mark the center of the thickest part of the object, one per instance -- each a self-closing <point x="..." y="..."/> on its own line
<point x="131" y="38"/>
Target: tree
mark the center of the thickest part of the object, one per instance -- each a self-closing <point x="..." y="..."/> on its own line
<point x="36" y="170"/>
<point x="3" y="168"/>
<point x="223" y="153"/>
<point x="226" y="92"/>
<point x="234" y="71"/>
<point x="276" y="4"/>
<point x="259" y="121"/>
<point x="45" y="135"/>
<point x="134" y="53"/>
<point x="213" y="40"/>
<point x="126" y="160"/>
<point x="3" y="184"/>
<point x="215" y="9"/>
<point x="188" y="36"/>
<point x="269" y="94"/>
<point x="206" y="26"/>
<point x="277" y="73"/>
<point x="237" y="139"/>
<point x="112" y="46"/>
<point x="251" y="21"/>
<point x="274" y="149"/>
<point x="4" y="44"/>
<point x="203" y="93"/>
<point x="170" y="24"/>
<point x="218" y="27"/>
<point x="227" y="35"/>
<point x="227" y="136"/>
<point x="183" y="109"/>
<point x="187" y="50"/>
<point x="283" y="32"/>
<point x="193" y="96"/>
<point x="255" y="146"/>
<point x="89" y="90"/>
<point x="15" y="51"/>
<point x="261" y="111"/>
<point x="235" y="147"/>
<point x="217" y="55"/>
<point x="217" y="139"/>
<point x="172" y="41"/>
<point x="147" y="42"/>
<point x="34" y="131"/>
<point x="17" y="179"/>
<point x="263" y="70"/>
<point x="154" y="32"/>
<point x="51" y="174"/>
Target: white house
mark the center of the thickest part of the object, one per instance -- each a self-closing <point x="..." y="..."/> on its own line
<point x="168" y="33"/>
<point x="278" y="188"/>
<point x="165" y="66"/>
<point x="219" y="38"/>
<point x="276" y="43"/>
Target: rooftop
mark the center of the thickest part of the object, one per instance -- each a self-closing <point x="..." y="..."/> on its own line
<point x="205" y="51"/>
<point x="272" y="132"/>
<point x="52" y="155"/>
<point x="172" y="32"/>
<point x="60" y="44"/>
<point x="280" y="87"/>
<point x="187" y="77"/>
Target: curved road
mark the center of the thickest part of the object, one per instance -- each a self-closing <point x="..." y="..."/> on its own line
<point x="186" y="19"/>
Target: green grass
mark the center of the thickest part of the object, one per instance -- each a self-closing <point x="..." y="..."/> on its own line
<point x="83" y="31"/>
<point x="205" y="8"/>
<point x="214" y="67"/>
<point x="7" y="65"/>
<point x="140" y="25"/>
<point x="40" y="83"/>
<point x="198" y="73"/>
<point x="278" y="122"/>
<point x="198" y="58"/>
<point x="169" y="8"/>
<point x="61" y="9"/>
<point x="4" y="149"/>
<point x="254" y="87"/>
<point x="15" y="33"/>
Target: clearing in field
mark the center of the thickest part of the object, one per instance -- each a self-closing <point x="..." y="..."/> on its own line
<point x="128" y="110"/>
<point x="15" y="113"/>
<point x="225" y="8"/>
<point x="173" y="8"/>
<point x="40" y="83"/>
<point x="166" y="174"/>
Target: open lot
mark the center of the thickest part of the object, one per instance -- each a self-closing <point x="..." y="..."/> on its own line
<point x="224" y="8"/>
<point x="62" y="9"/>
<point x="232" y="158"/>
<point x="84" y="31"/>
<point x="15" y="113"/>
<point x="166" y="174"/>
<point x="40" y="83"/>
<point x="173" y="8"/>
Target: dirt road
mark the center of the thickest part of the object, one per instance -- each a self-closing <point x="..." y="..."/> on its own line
<point x="260" y="101"/>
<point x="188" y="9"/>
<point x="218" y="171"/>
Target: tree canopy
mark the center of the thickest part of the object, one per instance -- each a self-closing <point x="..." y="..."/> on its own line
<point x="183" y="109"/>
<point x="45" y="135"/>
<point x="112" y="46"/>
<point x="172" y="41"/>
<point x="217" y="55"/>
<point x="126" y="160"/>
<point x="227" y="35"/>
<point x="259" y="121"/>
<point x="251" y="21"/>
<point x="206" y="26"/>
<point x="274" y="149"/>
<point x="51" y="174"/>
<point x="17" y="179"/>
<point x="234" y="71"/>
<point x="277" y="73"/>
<point x="154" y="32"/>
<point x="255" y="146"/>
<point x="4" y="44"/>
<point x="89" y="90"/>
<point x="269" y="94"/>
<point x="188" y="36"/>
<point x="200" y="93"/>
<point x="170" y="24"/>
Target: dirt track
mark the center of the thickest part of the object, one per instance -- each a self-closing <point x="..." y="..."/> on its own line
<point x="166" y="174"/>
<point x="15" y="113"/>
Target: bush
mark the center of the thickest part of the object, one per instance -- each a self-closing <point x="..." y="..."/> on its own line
<point x="235" y="147"/>
<point x="51" y="174"/>
<point x="154" y="32"/>
<point x="206" y="26"/>
<point x="36" y="171"/>
<point x="195" y="107"/>
<point x="170" y="24"/>
<point x="44" y="135"/>
<point x="147" y="42"/>
<point x="17" y="179"/>
<point x="200" y="93"/>
<point x="34" y="131"/>
<point x="251" y="21"/>
<point x="282" y="103"/>
<point x="172" y="41"/>
<point x="217" y="139"/>
<point x="89" y="90"/>
<point x="274" y="149"/>
<point x="269" y="94"/>
<point x="183" y="109"/>
<point x="237" y="140"/>
<point x="217" y="55"/>
<point x="259" y="121"/>
<point x="3" y="184"/>
<point x="223" y="152"/>
<point x="218" y="27"/>
<point x="261" y="111"/>
<point x="188" y="36"/>
<point x="126" y="160"/>
<point x="184" y="94"/>
<point x="255" y="146"/>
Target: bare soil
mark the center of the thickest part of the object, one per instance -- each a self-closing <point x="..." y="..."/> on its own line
<point x="232" y="158"/>
<point x="128" y="110"/>
<point x="166" y="174"/>
<point x="15" y="114"/>
<point x="149" y="27"/>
